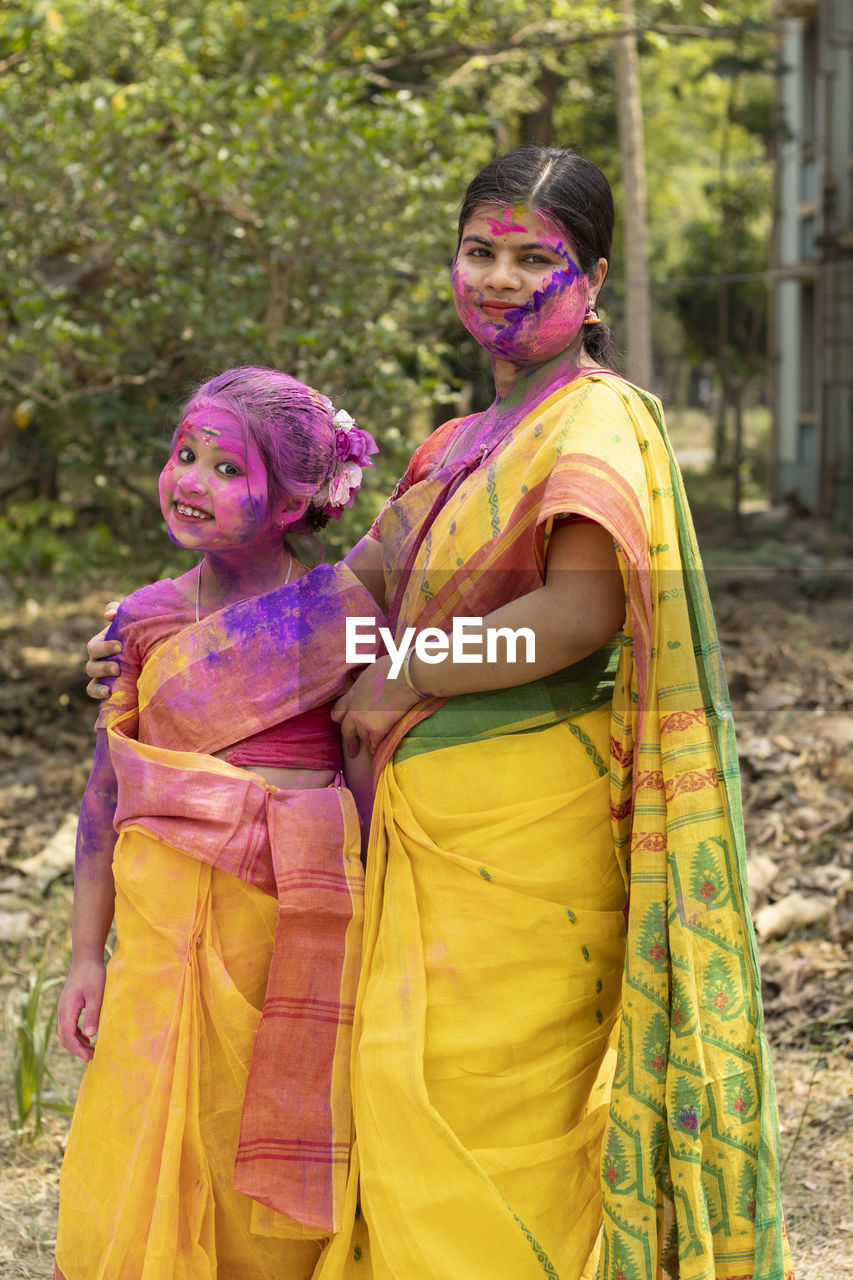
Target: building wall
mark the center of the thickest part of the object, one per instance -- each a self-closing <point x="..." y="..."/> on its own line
<point x="813" y="294"/>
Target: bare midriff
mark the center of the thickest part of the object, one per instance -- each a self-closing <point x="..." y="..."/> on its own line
<point x="287" y="779"/>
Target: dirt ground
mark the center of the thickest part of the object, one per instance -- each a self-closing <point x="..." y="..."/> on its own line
<point x="785" y="612"/>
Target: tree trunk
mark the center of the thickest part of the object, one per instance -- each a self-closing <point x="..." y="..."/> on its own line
<point x="723" y="261"/>
<point x="738" y="397"/>
<point x="638" y="323"/>
<point x="535" y="127"/>
<point x="723" y="365"/>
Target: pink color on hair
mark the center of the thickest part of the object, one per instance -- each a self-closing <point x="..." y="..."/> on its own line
<point x="289" y="422"/>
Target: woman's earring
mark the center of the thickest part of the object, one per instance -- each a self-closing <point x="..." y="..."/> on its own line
<point x="591" y="317"/>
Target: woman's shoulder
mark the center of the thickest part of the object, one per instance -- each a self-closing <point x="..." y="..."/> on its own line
<point x="597" y="401"/>
<point x="607" y="385"/>
<point x="430" y="455"/>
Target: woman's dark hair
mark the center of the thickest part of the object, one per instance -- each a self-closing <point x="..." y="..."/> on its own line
<point x="568" y="188"/>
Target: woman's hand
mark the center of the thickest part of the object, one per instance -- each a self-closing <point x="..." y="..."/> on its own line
<point x="99" y="649"/>
<point x="370" y="708"/>
<point x="83" y="990"/>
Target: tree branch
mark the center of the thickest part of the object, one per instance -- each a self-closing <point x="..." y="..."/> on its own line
<point x="10" y="61"/>
<point x="383" y="82"/>
<point x="19" y="483"/>
<point x="124" y="482"/>
<point x="551" y="41"/>
<point x="334" y="37"/>
<point x="82" y="393"/>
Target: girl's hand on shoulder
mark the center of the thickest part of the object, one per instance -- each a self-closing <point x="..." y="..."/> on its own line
<point x="100" y="650"/>
<point x="83" y="991"/>
<point x="372" y="705"/>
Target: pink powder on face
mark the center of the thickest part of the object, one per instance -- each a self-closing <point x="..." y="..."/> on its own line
<point x="551" y="302"/>
<point x="519" y="218"/>
<point x="504" y="224"/>
<point x="235" y="506"/>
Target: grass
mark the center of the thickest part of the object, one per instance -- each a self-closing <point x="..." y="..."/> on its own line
<point x="30" y="1022"/>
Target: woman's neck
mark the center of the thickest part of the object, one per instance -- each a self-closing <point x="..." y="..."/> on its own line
<point x="519" y="388"/>
<point x="517" y="395"/>
<point x="520" y="381"/>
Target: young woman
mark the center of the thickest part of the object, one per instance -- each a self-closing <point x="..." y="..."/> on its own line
<point x="548" y="1080"/>
<point x="211" y="1134"/>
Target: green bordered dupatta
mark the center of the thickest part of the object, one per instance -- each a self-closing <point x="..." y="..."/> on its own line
<point x="691" y="1179"/>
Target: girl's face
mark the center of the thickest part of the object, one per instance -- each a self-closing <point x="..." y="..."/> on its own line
<point x="214" y="493"/>
<point x="517" y="285"/>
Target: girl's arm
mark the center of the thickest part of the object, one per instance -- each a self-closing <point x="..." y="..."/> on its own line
<point x="580" y="606"/>
<point x="365" y="561"/>
<point x="94" y="900"/>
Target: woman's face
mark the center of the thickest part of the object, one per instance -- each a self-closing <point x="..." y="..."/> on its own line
<point x="517" y="284"/>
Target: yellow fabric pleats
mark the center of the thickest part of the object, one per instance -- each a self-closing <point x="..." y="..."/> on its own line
<point x="147" y="1183"/>
<point x="493" y="969"/>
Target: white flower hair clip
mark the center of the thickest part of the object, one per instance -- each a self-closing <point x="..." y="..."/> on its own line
<point x="353" y="449"/>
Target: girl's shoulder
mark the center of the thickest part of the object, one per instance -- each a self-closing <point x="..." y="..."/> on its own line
<point x="152" y="613"/>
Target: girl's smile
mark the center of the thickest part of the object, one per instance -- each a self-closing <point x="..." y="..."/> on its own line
<point x="213" y="490"/>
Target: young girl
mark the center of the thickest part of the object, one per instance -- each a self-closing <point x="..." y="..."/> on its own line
<point x="211" y="1134"/>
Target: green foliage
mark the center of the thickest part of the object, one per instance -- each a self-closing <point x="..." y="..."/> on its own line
<point x="203" y="190"/>
<point x="735" y="241"/>
<point x="197" y="185"/>
<point x="30" y="1028"/>
<point x="37" y="538"/>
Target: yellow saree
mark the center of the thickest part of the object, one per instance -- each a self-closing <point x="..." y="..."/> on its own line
<point x="537" y="1093"/>
<point x="212" y="1131"/>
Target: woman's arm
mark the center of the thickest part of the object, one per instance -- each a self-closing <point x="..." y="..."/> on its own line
<point x="578" y="608"/>
<point x="94" y="902"/>
<point x="98" y="667"/>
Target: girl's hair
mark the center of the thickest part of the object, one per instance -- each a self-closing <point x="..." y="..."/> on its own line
<point x="568" y="189"/>
<point x="290" y="423"/>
